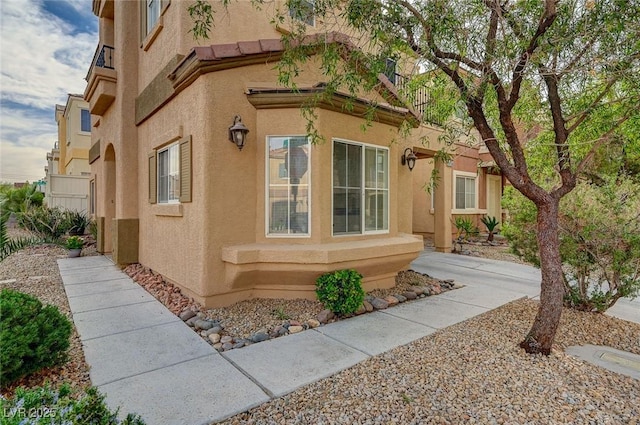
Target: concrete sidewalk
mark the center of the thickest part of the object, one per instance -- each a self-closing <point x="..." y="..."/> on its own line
<point x="483" y="275"/>
<point x="148" y="361"/>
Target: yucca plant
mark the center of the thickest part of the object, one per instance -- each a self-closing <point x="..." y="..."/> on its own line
<point x="76" y="222"/>
<point x="8" y="245"/>
<point x="491" y="223"/>
<point x="465" y="228"/>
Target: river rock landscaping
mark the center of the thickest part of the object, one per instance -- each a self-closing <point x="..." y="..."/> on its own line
<point x="472" y="372"/>
<point x="252" y="321"/>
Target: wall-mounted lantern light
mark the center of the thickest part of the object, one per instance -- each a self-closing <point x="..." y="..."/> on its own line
<point x="409" y="158"/>
<point x="238" y="132"/>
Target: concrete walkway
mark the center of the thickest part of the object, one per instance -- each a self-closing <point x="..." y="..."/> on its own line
<point x="148" y="361"/>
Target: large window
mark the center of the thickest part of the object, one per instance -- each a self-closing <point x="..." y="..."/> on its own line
<point x="302" y="10"/>
<point x="85" y="120"/>
<point x="169" y="175"/>
<point x="465" y="192"/>
<point x="288" y="164"/>
<point x="360" y="188"/>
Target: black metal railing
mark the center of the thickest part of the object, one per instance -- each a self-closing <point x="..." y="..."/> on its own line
<point x="420" y="98"/>
<point x="102" y="58"/>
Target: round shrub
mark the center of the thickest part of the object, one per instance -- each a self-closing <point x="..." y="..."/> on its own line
<point x="340" y="291"/>
<point x="32" y="337"/>
<point x="46" y="405"/>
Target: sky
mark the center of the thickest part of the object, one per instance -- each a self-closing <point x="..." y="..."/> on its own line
<point x="46" y="48"/>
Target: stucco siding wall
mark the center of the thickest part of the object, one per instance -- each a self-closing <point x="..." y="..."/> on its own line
<point x="173" y="236"/>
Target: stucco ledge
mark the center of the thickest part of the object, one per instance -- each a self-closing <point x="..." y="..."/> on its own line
<point x="290" y="271"/>
<point x="326" y="253"/>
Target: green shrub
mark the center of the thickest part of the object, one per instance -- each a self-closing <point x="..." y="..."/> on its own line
<point x="18" y="200"/>
<point x="93" y="229"/>
<point x="74" y="242"/>
<point x="76" y="222"/>
<point x="43" y="405"/>
<point x="490" y="223"/>
<point x="48" y="223"/>
<point x="340" y="291"/>
<point x="10" y="245"/>
<point x="32" y="336"/>
<point x="465" y="228"/>
<point x="599" y="240"/>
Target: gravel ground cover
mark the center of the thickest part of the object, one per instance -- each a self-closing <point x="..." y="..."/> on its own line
<point x="474" y="373"/>
<point x="34" y="271"/>
<point x="479" y="247"/>
<point x="244" y="319"/>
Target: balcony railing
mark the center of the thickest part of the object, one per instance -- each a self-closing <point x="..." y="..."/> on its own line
<point x="102" y="58"/>
<point x="421" y="99"/>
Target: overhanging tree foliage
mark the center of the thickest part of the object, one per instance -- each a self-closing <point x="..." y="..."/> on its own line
<point x="570" y="67"/>
<point x="567" y="70"/>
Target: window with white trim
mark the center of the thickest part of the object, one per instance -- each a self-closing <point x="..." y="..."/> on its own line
<point x="169" y="175"/>
<point x="153" y="13"/>
<point x="360" y="188"/>
<point x="288" y="191"/>
<point x="303" y="10"/>
<point x="465" y="191"/>
<point x="85" y="120"/>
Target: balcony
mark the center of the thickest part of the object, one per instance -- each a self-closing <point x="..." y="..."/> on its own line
<point x="101" y="80"/>
<point x="103" y="8"/>
<point x="421" y="100"/>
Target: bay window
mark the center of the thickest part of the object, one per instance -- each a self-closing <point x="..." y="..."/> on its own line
<point x="288" y="191"/>
<point x="360" y="188"/>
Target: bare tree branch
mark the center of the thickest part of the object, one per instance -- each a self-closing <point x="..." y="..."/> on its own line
<point x="547" y="19"/>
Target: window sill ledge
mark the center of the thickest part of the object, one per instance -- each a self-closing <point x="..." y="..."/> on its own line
<point x="470" y="211"/>
<point x="153" y="34"/>
<point x="167" y="210"/>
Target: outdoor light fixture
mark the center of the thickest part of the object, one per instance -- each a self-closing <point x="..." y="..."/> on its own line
<point x="409" y="158"/>
<point x="238" y="132"/>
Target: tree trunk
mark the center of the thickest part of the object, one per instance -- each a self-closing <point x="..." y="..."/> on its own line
<point x="540" y="337"/>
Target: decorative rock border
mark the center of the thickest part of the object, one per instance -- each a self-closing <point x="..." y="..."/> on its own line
<point x="212" y="330"/>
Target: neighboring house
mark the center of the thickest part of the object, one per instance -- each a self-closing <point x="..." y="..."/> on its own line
<point x="68" y="170"/>
<point x="266" y="215"/>
<point x="475" y="185"/>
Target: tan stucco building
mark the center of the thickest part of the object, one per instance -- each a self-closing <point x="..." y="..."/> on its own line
<point x="175" y="194"/>
<point x="67" y="170"/>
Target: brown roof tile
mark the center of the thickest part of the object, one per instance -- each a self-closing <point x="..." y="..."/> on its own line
<point x="271" y="45"/>
<point x="222" y="51"/>
<point x="249" y="47"/>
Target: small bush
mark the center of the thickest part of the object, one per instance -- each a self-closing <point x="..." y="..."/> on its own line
<point x="465" y="228"/>
<point x="599" y="240"/>
<point x="93" y="229"/>
<point x="10" y="245"/>
<point x="340" y="291"/>
<point x="76" y="222"/>
<point x="32" y="336"/>
<point x="43" y="405"/>
<point x="48" y="223"/>
<point x="74" y="242"/>
<point x="491" y="223"/>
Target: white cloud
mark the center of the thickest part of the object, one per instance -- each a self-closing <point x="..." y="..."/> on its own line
<point x="24" y="144"/>
<point x="42" y="59"/>
<point x="32" y="42"/>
